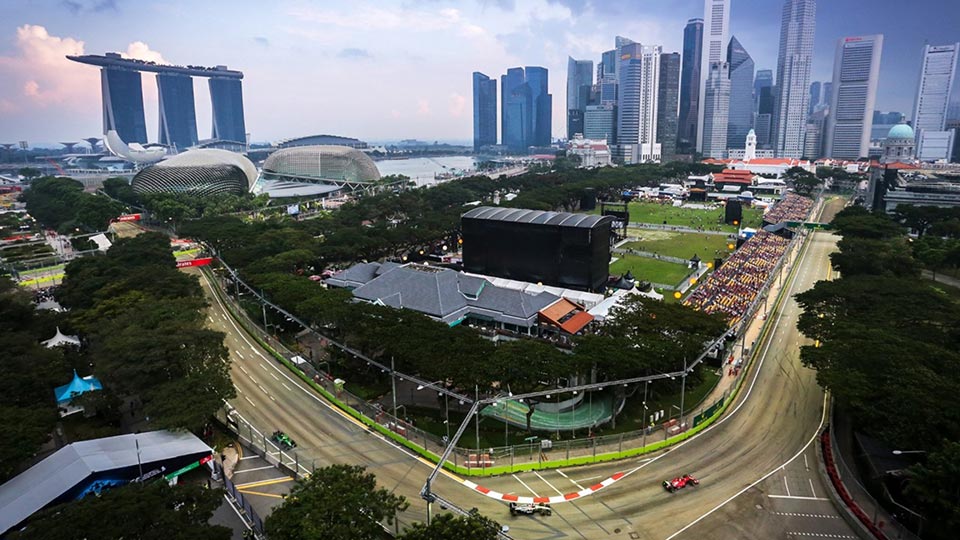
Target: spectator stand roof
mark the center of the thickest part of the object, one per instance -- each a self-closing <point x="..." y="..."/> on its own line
<point x="71" y="467"/>
<point x="540" y="217"/>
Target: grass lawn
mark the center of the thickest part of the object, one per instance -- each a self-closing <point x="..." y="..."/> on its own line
<point x="645" y="269"/>
<point x="678" y="244"/>
<point x="949" y="290"/>
<point x="656" y="213"/>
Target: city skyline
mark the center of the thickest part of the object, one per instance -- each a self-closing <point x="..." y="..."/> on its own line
<point x="41" y="100"/>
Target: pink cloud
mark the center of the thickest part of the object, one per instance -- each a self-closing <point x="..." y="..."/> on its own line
<point x="457" y="105"/>
<point x="423" y="107"/>
<point x="40" y="68"/>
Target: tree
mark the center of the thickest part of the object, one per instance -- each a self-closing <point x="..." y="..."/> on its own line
<point x="918" y="218"/>
<point x="936" y="485"/>
<point x="29" y="172"/>
<point x="450" y="527"/>
<point x="338" y="502"/>
<point x="155" y="511"/>
<point x="804" y="182"/>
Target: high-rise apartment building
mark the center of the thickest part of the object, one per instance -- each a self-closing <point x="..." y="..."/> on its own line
<point x="934" y="141"/>
<point x="740" y="119"/>
<point x="639" y="81"/>
<point x="579" y="82"/>
<point x="716" y="26"/>
<point x="525" y="108"/>
<point x="667" y="105"/>
<point x="226" y="99"/>
<point x="690" y="86"/>
<point x="716" y="111"/>
<point x="794" y="60"/>
<point x="856" y="71"/>
<point x="484" y="111"/>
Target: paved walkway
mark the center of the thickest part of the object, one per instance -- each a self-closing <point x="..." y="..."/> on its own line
<point x="942" y="278"/>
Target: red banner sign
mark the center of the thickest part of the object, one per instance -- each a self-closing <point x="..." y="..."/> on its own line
<point x="195" y="262"/>
<point x="129" y="217"/>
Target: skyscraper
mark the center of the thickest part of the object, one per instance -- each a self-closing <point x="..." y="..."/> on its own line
<point x="934" y="141"/>
<point x="667" y="103"/>
<point x="579" y="81"/>
<point x="716" y="25"/>
<point x="525" y="108"/>
<point x="178" y="114"/>
<point x="600" y="122"/>
<point x="716" y="111"/>
<point x="793" y="76"/>
<point x="814" y="97"/>
<point x="856" y="70"/>
<point x="484" y="111"/>
<point x="764" y="122"/>
<point x="740" y="119"/>
<point x="123" y="103"/>
<point x="690" y="86"/>
<point x="764" y="79"/>
<point x="542" y="102"/>
<point x="608" y="61"/>
<point x="226" y="97"/>
<point x="515" y="110"/>
<point x="639" y="80"/>
<point x="826" y="96"/>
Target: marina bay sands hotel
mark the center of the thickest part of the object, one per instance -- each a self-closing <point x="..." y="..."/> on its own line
<point x="122" y="91"/>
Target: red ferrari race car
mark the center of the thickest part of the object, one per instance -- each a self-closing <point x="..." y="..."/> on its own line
<point x="680" y="482"/>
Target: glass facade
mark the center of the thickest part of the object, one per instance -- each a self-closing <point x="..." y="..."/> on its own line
<point x="226" y="96"/>
<point x="123" y="104"/>
<point x="178" y="114"/>
<point x="856" y="72"/>
<point x="794" y="61"/>
<point x="740" y="119"/>
<point x="690" y="85"/>
<point x="484" y="111"/>
<point x="526" y="107"/>
<point x="667" y="104"/>
<point x="579" y="81"/>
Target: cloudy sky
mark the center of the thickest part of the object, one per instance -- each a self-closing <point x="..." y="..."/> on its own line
<point x="387" y="70"/>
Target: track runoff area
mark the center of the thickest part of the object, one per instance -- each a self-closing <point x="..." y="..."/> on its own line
<point x="572" y="496"/>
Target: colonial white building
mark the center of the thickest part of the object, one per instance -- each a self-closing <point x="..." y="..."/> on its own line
<point x="592" y="152"/>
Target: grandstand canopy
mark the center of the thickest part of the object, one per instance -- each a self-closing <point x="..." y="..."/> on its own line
<point x="519" y="215"/>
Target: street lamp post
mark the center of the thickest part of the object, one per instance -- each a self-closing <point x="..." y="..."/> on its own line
<point x="393" y="387"/>
<point x="683" y="387"/>
<point x="645" y="386"/>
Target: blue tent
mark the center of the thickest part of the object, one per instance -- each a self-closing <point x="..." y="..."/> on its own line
<point x="76" y="387"/>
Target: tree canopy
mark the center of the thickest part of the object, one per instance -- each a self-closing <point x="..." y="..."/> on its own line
<point x="155" y="511"/>
<point x="449" y="527"/>
<point x="62" y="204"/>
<point x="338" y="502"/>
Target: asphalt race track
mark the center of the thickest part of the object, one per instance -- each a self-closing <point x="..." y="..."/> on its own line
<point x="757" y="466"/>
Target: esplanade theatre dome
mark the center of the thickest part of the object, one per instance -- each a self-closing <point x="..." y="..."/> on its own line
<point x="200" y="172"/>
<point x="321" y="163"/>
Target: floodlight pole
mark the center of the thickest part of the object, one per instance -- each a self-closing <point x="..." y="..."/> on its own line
<point x="393" y="386"/>
<point x="683" y="387"/>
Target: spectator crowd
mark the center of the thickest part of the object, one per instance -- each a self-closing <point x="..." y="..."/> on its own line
<point x="793" y="207"/>
<point x="731" y="288"/>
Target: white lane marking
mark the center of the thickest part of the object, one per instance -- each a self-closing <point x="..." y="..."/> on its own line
<point x="252" y="379"/>
<point x="570" y="479"/>
<point x="813" y="437"/>
<point x="285" y="386"/>
<point x="264" y="390"/>
<point x="811" y="487"/>
<point x="275" y="377"/>
<point x="264" y="367"/>
<point x="820" y="535"/>
<point x="336" y="412"/>
<point x="545" y="481"/>
<point x="249" y="401"/>
<point x="250" y="457"/>
<point x="255" y="468"/>
<point x="799" y="514"/>
<point x="240" y="354"/>
<point x="210" y="318"/>
<point x="805" y="464"/>
<point x="237" y="388"/>
<point x="522" y="483"/>
<point x="795" y="497"/>
<point x="243" y="369"/>
<point x="784" y="481"/>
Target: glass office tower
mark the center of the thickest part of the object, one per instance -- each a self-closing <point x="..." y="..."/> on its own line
<point x="178" y="114"/>
<point x="123" y="104"/>
<point x="226" y="97"/>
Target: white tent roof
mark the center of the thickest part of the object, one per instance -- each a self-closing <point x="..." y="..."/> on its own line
<point x="61" y="339"/>
<point x="101" y="241"/>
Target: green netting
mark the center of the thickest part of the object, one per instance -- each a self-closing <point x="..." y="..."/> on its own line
<point x="586" y="414"/>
